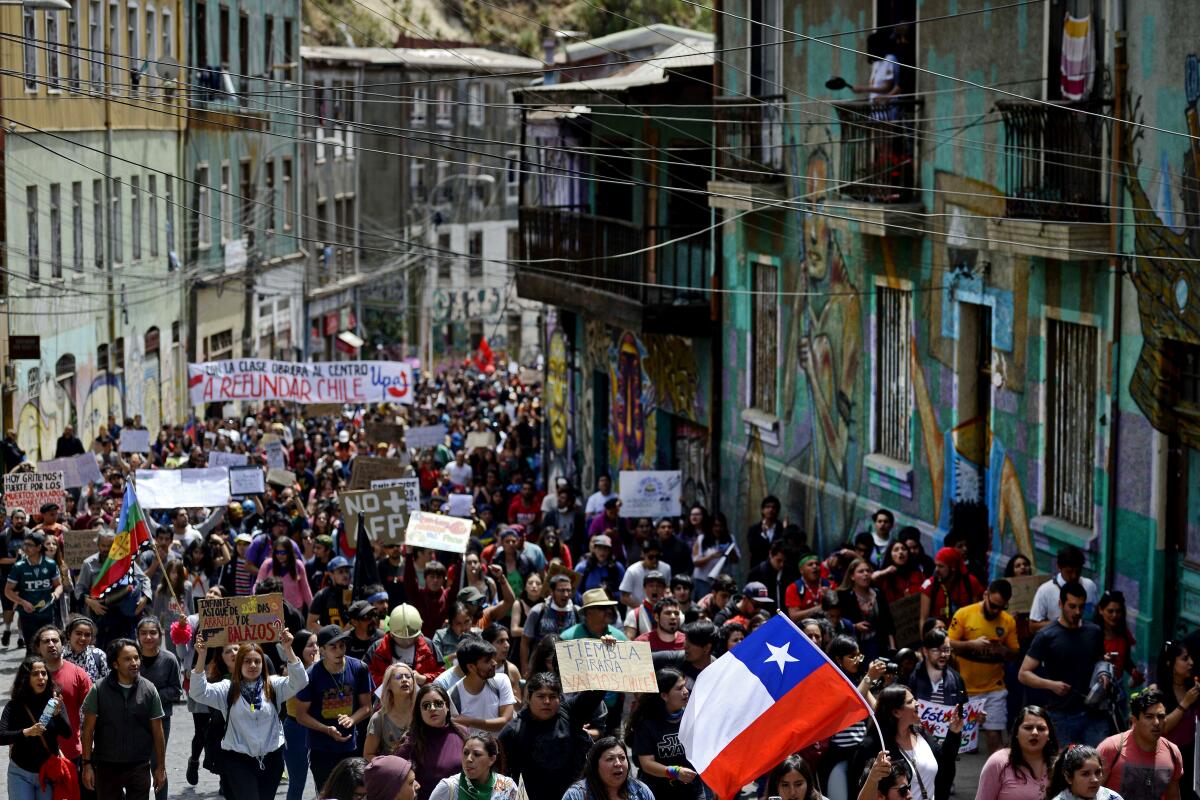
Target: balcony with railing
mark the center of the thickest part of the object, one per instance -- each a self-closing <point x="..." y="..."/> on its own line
<point x="749" y="151"/>
<point x="1054" y="171"/>
<point x="601" y="266"/>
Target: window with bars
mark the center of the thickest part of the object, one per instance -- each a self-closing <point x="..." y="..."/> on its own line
<point x="246" y="190"/>
<point x="476" y="107"/>
<point x="152" y="199"/>
<point x="29" y="28"/>
<point x="475" y="253"/>
<point x="73" y="60"/>
<point x="226" y="203"/>
<point x="1186" y="359"/>
<point x="56" y="260"/>
<point x="764" y="338"/>
<point x="169" y="195"/>
<point x="419" y="116"/>
<point x="98" y="222"/>
<point x="131" y="46"/>
<point x="445" y="258"/>
<point x="1071" y="388"/>
<point x="113" y="52"/>
<point x="445" y="110"/>
<point x="116" y="226"/>
<point x="893" y="395"/>
<point x="96" y="44"/>
<point x="202" y="219"/>
<point x="289" y="200"/>
<point x="53" y="51"/>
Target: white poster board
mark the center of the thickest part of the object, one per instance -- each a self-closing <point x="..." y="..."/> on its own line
<point x="651" y="494"/>
<point x="461" y="505"/>
<point x="412" y="489"/>
<point x="134" y="441"/>
<point x="438" y="532"/>
<point x="77" y="471"/>
<point x="221" y="458"/>
<point x="246" y="481"/>
<point x="256" y="380"/>
<point x="183" y="488"/>
<point x="425" y="436"/>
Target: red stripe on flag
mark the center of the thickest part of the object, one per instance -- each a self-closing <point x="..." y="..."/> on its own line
<point x="816" y="709"/>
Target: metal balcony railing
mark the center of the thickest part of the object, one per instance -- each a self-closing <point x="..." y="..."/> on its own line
<point x="1054" y="162"/>
<point x="749" y="138"/>
<point x="878" y="148"/>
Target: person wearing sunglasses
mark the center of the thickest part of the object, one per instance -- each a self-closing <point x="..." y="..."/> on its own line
<point x="984" y="636"/>
<point x="284" y="565"/>
<point x="886" y="780"/>
<point x="433" y="743"/>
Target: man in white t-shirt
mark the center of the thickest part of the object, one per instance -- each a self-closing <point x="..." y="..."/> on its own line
<point x="641" y="619"/>
<point x="460" y="471"/>
<point x="633" y="592"/>
<point x="483" y="699"/>
<point x="604" y="493"/>
<point x="1045" y="602"/>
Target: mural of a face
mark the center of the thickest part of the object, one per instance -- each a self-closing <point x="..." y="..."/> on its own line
<point x="556" y="391"/>
<point x="628" y="413"/>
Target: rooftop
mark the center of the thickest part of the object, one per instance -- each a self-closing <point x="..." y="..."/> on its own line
<point x="460" y="58"/>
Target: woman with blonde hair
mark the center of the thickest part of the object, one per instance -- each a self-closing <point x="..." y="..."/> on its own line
<point x="250" y="701"/>
<point x="397" y="699"/>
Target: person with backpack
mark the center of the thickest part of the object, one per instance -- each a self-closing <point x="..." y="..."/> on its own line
<point x="252" y="747"/>
<point x="483" y="699"/>
<point x="1141" y="762"/>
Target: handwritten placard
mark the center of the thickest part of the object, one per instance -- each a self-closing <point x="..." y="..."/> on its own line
<point x="906" y="614"/>
<point x="411" y="486"/>
<point x="77" y="471"/>
<point x="281" y="477"/>
<point x="384" y="512"/>
<point x="246" y="481"/>
<point x="425" y="436"/>
<point x="363" y="470"/>
<point x="224" y="458"/>
<point x="78" y="546"/>
<point x="316" y="410"/>
<point x="438" y="532"/>
<point x="587" y="664"/>
<point x="236" y="620"/>
<point x="1024" y="588"/>
<point x="28" y="491"/>
<point x="484" y="439"/>
<point x="935" y="719"/>
<point x="273" y="448"/>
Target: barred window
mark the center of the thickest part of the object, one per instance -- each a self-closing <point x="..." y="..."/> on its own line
<point x="893" y="394"/>
<point x="1071" y="387"/>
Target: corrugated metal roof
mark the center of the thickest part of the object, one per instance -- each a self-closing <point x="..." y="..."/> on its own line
<point x="689" y="52"/>
<point x="439" y="57"/>
<point x="659" y="34"/>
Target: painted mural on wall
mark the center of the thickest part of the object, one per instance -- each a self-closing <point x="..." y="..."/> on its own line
<point x="632" y="433"/>
<point x="557" y="404"/>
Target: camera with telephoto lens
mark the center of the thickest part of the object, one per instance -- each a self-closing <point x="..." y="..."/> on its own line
<point x="890" y="668"/>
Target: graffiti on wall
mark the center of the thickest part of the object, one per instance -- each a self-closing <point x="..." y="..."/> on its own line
<point x="631" y="402"/>
<point x="557" y="405"/>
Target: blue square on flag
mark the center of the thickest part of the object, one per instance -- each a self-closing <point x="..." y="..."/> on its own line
<point x="778" y="655"/>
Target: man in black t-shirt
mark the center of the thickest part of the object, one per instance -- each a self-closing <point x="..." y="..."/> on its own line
<point x="364" y="629"/>
<point x="1060" y="661"/>
<point x="11" y="542"/>
<point x="329" y="605"/>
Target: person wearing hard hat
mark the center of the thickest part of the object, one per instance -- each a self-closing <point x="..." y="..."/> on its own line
<point x="404" y="643"/>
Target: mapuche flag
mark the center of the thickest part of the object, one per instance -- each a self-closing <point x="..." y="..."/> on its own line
<point x="132" y="533"/>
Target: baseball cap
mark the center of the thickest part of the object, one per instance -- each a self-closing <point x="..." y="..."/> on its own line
<point x="600" y="540"/>
<point x="759" y="593"/>
<point x="470" y="594"/>
<point x="331" y="634"/>
<point x="244" y="537"/>
<point x="655" y="575"/>
<point x="338" y="563"/>
<point x="360" y="609"/>
<point x="344" y="436"/>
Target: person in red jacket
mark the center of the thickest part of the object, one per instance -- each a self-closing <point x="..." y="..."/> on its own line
<point x="403" y="643"/>
<point x="526" y="508"/>
<point x="432" y="602"/>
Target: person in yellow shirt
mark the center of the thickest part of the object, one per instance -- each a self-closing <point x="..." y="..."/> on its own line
<point x="983" y="635"/>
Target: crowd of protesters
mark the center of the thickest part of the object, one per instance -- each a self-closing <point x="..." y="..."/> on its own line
<point x="438" y="679"/>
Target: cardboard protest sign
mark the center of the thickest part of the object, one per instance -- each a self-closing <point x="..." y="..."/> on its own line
<point x="134" y="441"/>
<point x="77" y="471"/>
<point x="315" y="410"/>
<point x="460" y="505"/>
<point x="78" y="546"/>
<point x="529" y="377"/>
<point x="556" y="567"/>
<point x="650" y="493"/>
<point x="237" y="620"/>
<point x="484" y="439"/>
<point x="388" y="432"/>
<point x="281" y="477"/>
<point x="363" y="470"/>
<point x="358" y="382"/>
<point x="186" y="488"/>
<point x="29" y="490"/>
<point x="411" y="486"/>
<point x="1024" y="588"/>
<point x="384" y="513"/>
<point x="425" y="436"/>
<point x="222" y="458"/>
<point x="438" y="532"/>
<point x="247" y="480"/>
<point x="587" y="664"/>
<point x="906" y="614"/>
<point x="935" y="719"/>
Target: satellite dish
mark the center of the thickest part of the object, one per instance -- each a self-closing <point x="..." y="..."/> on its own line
<point x="167" y="68"/>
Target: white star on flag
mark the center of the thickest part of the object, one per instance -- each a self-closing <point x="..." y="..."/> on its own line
<point x="780" y="655"/>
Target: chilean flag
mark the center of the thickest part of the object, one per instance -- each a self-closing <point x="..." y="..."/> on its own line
<point x="772" y="695"/>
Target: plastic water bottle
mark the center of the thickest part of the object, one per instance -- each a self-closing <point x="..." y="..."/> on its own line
<point x="48" y="712"/>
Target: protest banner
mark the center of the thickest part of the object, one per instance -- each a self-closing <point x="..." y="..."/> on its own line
<point x="256" y="380"/>
<point x="412" y="489"/>
<point x="183" y="488"/>
<point x="906" y="615"/>
<point x="556" y="567"/>
<point x="272" y="447"/>
<point x="247" y="480"/>
<point x="935" y="719"/>
<point x="77" y="546"/>
<point x="384" y="432"/>
<point x="1024" y="588"/>
<point x="529" y="377"/>
<point x="438" y="532"/>
<point x="134" y="441"/>
<point x="588" y="664"/>
<point x="425" y="436"/>
<point x="28" y="491"/>
<point x="650" y="493"/>
<point x="460" y="505"/>
<point x="77" y="471"/>
<point x="363" y="470"/>
<point x="484" y="439"/>
<point x="222" y="458"/>
<point x="239" y="620"/>
<point x="384" y="512"/>
<point x="318" y="410"/>
<point x="281" y="477"/>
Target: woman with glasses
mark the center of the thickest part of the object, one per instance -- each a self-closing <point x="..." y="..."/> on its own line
<point x="397" y="701"/>
<point x="433" y="743"/>
<point x="479" y="778"/>
<point x="1021" y="771"/>
<point x="932" y="762"/>
<point x="835" y="765"/>
<point x="1181" y="694"/>
<point x="284" y="565"/>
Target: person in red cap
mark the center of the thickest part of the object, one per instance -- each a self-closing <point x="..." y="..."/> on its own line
<point x="949" y="588"/>
<point x="390" y="778"/>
